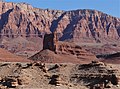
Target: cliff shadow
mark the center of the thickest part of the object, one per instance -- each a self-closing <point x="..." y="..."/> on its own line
<point x="69" y="30"/>
<point x="4" y="19"/>
<point x="55" y="23"/>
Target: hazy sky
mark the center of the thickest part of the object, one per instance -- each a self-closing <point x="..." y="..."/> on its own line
<point x="111" y="7"/>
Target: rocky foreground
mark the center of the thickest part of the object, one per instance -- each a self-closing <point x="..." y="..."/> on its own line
<point x="95" y="75"/>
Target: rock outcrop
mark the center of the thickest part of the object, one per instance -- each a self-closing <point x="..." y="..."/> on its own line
<point x="95" y="75"/>
<point x="65" y="53"/>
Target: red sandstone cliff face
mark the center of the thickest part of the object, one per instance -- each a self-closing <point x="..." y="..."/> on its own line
<point x="89" y="26"/>
<point x="20" y="20"/>
<point x="23" y="19"/>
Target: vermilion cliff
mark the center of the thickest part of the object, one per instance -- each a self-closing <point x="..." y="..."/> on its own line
<point x="26" y="25"/>
<point x="22" y="19"/>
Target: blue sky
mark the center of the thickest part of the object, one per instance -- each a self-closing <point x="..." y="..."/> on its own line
<point x="111" y="7"/>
